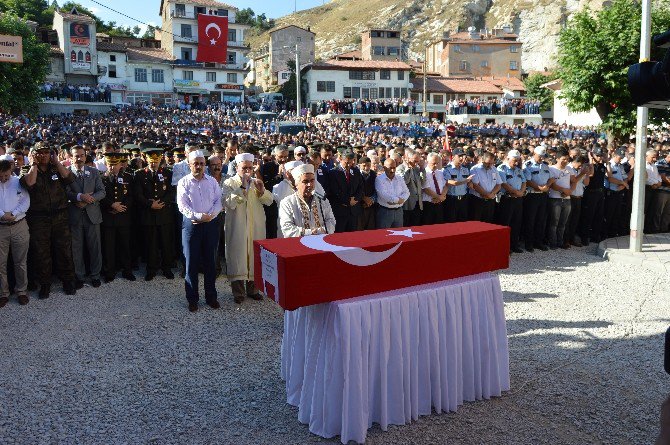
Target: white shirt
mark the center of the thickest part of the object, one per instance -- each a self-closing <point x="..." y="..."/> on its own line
<point x="486" y="179"/>
<point x="579" y="185"/>
<point x="390" y="191"/>
<point x="428" y="183"/>
<point x="562" y="180"/>
<point x="100" y="165"/>
<point x="653" y="177"/>
<point x="14" y="198"/>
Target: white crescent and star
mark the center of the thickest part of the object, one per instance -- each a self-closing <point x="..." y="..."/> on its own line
<point x="213" y="26"/>
<point x="355" y="255"/>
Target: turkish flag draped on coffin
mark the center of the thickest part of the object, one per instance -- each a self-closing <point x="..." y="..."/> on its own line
<point x="212" y="38"/>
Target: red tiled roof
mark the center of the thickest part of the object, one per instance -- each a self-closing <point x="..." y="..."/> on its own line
<point x="361" y="65"/>
<point x="76" y="17"/>
<point x="453" y="86"/>
<point x="56" y="51"/>
<point x="355" y="54"/>
<point x="111" y="47"/>
<point x="513" y="83"/>
<point x="154" y="55"/>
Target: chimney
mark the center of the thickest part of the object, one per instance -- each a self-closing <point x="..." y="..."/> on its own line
<point x="309" y="28"/>
<point x="474" y="35"/>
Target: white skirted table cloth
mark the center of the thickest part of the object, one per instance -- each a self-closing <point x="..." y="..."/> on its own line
<point x="390" y="357"/>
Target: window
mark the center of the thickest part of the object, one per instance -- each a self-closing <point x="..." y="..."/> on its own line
<point x="465" y="66"/>
<point x="393" y="51"/>
<point x="298" y="39"/>
<point x="415" y="97"/>
<point x="222" y="12"/>
<point x="324" y="86"/>
<point x="513" y="65"/>
<point x="401" y="75"/>
<point x="112" y="58"/>
<point x="187" y="53"/>
<point x="157" y="76"/>
<point x="389" y="92"/>
<point x="368" y="75"/>
<point x="210" y="76"/>
<point x="187" y="75"/>
<point x="514" y="49"/>
<point x="346" y="92"/>
<point x="186" y="31"/>
<point x="180" y="10"/>
<point x="80" y="56"/>
<point x="381" y="93"/>
<point x="356" y="75"/>
<point x="232" y="35"/>
<point x="232" y="58"/>
<point x="111" y="71"/>
<point x="200" y="10"/>
<point x="484" y="64"/>
<point x="393" y="34"/>
<point x="396" y="92"/>
<point x="355" y="92"/>
<point x="438" y="99"/>
<point x="475" y="48"/>
<point x="140" y="74"/>
<point x="385" y="74"/>
<point x="285" y="76"/>
<point x="365" y="93"/>
<point x="376" y="33"/>
<point x="373" y="93"/>
<point x="231" y="77"/>
<point x="378" y="50"/>
<point x="403" y="92"/>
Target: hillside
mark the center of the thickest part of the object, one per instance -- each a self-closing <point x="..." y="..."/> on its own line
<point x="338" y="23"/>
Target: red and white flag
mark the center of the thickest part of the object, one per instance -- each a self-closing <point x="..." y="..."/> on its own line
<point x="212" y="38"/>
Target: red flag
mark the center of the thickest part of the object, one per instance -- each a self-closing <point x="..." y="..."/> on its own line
<point x="212" y="38"/>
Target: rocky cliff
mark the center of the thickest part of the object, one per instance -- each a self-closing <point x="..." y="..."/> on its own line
<point x="338" y="23"/>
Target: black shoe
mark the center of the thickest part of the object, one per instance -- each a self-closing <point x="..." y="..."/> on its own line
<point x="517" y="250"/>
<point x="214" y="304"/>
<point x="255" y="296"/>
<point x="238" y="299"/>
<point x="168" y="274"/>
<point x="182" y="272"/>
<point x="530" y="249"/>
<point x="150" y="276"/>
<point x="70" y="289"/>
<point x="109" y="278"/>
<point x="95" y="283"/>
<point x="32" y="287"/>
<point x="4" y="301"/>
<point x="193" y="307"/>
<point x="23" y="300"/>
<point x="44" y="292"/>
<point x="128" y="276"/>
<point x="78" y="284"/>
<point x="542" y="247"/>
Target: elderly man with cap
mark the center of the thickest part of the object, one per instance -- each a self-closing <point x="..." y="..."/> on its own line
<point x="47" y="218"/>
<point x="513" y="189"/>
<point x="304" y="212"/>
<point x="535" y="212"/>
<point x="154" y="195"/>
<point x="244" y="197"/>
<point x="285" y="188"/>
<point x="300" y="153"/>
<point x="199" y="201"/>
<point x="345" y="191"/>
<point x="14" y="234"/>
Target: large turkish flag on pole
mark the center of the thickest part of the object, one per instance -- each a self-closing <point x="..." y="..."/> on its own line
<point x="212" y="38"/>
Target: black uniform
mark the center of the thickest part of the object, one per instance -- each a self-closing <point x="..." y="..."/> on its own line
<point x="157" y="225"/>
<point x="593" y="206"/>
<point x="116" y="227"/>
<point x="367" y="219"/>
<point x="341" y="188"/>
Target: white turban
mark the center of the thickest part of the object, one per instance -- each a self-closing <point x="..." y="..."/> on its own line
<point x="291" y="165"/>
<point x="244" y="157"/>
<point x="195" y="154"/>
<point x="371" y="153"/>
<point x="301" y="170"/>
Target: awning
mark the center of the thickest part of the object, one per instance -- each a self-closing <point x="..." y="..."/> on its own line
<point x="192" y="91"/>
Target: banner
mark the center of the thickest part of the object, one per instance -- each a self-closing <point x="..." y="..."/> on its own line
<point x="212" y="38"/>
<point x="80" y="34"/>
<point x="11" y="49"/>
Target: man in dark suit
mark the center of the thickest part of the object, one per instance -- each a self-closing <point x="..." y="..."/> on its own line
<point x="117" y="217"/>
<point x="345" y="191"/>
<point x="85" y="217"/>
<point x="367" y="219"/>
<point x="154" y="198"/>
<point x="273" y="173"/>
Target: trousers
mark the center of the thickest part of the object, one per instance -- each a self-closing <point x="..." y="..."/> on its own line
<point x="535" y="218"/>
<point x="159" y="238"/>
<point x="591" y="221"/>
<point x="17" y="238"/>
<point x="510" y="213"/>
<point x="200" y="242"/>
<point x="86" y="236"/>
<point x="389" y="218"/>
<point x="455" y="209"/>
<point x="559" y="211"/>
<point x="47" y="232"/>
<point x="116" y="249"/>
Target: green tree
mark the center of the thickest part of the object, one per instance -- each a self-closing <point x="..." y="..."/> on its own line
<point x="150" y="33"/>
<point x="246" y="16"/>
<point x="535" y="91"/>
<point x="288" y="89"/>
<point x="20" y="83"/>
<point x="36" y="10"/>
<point x="595" y="51"/>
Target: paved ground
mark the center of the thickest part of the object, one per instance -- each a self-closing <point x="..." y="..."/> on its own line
<point x="129" y="364"/>
<point x="655" y="253"/>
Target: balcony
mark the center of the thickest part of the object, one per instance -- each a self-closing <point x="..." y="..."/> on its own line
<point x="218" y="66"/>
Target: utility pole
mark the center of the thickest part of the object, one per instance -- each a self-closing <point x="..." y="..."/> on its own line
<point x="297" y="80"/>
<point x="425" y="85"/>
<point x="637" y="217"/>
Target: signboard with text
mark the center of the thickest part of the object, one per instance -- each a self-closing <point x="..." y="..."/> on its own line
<point x="227" y="86"/>
<point x="80" y="34"/>
<point x="11" y="49"/>
<point x="186" y="83"/>
<point x="81" y="66"/>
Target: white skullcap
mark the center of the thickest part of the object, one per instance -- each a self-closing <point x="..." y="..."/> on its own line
<point x="300" y="149"/>
<point x="513" y="154"/>
<point x="291" y="165"/>
<point x="371" y="153"/>
<point x="244" y="157"/>
<point x="541" y="151"/>
<point x="301" y="170"/>
<point x="195" y="154"/>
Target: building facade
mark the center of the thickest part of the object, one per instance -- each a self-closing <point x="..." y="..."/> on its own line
<point x="203" y="82"/>
<point x="76" y="39"/>
<point x="359" y="79"/>
<point x="381" y="44"/>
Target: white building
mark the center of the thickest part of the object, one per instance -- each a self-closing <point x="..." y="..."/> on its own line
<point x="562" y="115"/>
<point x="76" y="39"/>
<point x="179" y="36"/>
<point x="353" y="79"/>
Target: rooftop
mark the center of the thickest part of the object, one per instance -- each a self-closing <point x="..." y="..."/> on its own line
<point x="79" y="17"/>
<point x="152" y="55"/>
<point x="111" y="47"/>
<point x="454" y="86"/>
<point x="361" y="64"/>
<point x="211" y="3"/>
<point x="350" y="55"/>
<point x="290" y="26"/>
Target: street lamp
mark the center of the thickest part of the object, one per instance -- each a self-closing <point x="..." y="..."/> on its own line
<point x="297" y="78"/>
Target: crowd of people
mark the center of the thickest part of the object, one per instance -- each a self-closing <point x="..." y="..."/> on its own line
<point x="89" y="197"/>
<point x="366" y="106"/>
<point x="493" y="106"/>
<point x="76" y="93"/>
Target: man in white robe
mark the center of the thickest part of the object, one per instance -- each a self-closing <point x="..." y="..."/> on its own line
<point x="285" y="188"/>
<point x="304" y="212"/>
<point x="244" y="197"/>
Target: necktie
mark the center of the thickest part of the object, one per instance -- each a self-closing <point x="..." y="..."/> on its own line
<point x="346" y="172"/>
<point x="437" y="186"/>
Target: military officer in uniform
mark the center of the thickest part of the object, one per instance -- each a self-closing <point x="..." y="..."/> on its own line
<point x="538" y="181"/>
<point x="510" y="209"/>
<point x="616" y="183"/>
<point x="116" y="218"/>
<point x="458" y="177"/>
<point x="154" y="195"/>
